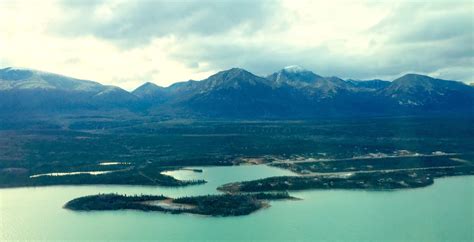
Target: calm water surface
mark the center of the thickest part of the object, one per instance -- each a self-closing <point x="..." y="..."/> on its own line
<point x="442" y="212"/>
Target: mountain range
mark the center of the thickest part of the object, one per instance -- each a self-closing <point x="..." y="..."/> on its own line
<point x="290" y="93"/>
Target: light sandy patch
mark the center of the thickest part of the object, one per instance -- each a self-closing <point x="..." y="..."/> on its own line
<point x="169" y="204"/>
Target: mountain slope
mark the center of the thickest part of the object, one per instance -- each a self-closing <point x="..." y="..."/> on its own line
<point x="150" y="93"/>
<point x="310" y="84"/>
<point x="148" y="89"/>
<point x="233" y="93"/>
<point x="26" y="90"/>
<point x="421" y="91"/>
<point x="24" y="79"/>
<point x="371" y="85"/>
<point x="295" y="92"/>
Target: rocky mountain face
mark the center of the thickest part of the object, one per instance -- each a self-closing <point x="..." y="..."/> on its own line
<point x="290" y="93"/>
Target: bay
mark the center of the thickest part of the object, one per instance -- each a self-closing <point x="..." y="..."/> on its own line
<point x="441" y="212"/>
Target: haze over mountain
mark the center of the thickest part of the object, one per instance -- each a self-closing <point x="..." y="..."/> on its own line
<point x="292" y="92"/>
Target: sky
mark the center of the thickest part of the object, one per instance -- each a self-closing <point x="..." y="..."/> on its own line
<point x="127" y="43"/>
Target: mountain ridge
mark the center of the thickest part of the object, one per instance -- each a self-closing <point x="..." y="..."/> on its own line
<point x="238" y="93"/>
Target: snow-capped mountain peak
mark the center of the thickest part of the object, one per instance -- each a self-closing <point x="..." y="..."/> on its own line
<point x="294" y="69"/>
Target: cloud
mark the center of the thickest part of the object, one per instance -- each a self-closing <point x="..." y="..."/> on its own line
<point x="134" y="23"/>
<point x="434" y="38"/>
<point x="126" y="43"/>
<point x="368" y="41"/>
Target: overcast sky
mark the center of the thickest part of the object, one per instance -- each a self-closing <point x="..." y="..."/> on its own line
<point x="126" y="43"/>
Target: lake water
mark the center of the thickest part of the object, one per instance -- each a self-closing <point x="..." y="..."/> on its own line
<point x="442" y="212"/>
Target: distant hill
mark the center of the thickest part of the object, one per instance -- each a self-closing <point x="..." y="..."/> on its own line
<point x="151" y="94"/>
<point x="290" y="93"/>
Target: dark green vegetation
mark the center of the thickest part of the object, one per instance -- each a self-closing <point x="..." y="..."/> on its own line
<point x="213" y="205"/>
<point x="379" y="180"/>
<point x="150" y="145"/>
<point x="134" y="176"/>
<point x="112" y="202"/>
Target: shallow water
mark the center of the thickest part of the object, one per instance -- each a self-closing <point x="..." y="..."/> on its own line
<point x="94" y="173"/>
<point x="440" y="212"/>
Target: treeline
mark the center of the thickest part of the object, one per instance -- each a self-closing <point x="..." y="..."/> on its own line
<point x="113" y="202"/>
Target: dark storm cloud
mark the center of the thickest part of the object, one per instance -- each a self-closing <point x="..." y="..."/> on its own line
<point x="135" y="23"/>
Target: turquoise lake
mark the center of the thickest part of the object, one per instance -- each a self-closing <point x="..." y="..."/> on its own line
<point x="441" y="212"/>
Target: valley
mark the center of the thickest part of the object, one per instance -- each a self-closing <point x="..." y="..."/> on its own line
<point x="138" y="152"/>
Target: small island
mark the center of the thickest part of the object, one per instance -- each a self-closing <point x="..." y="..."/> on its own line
<point x="212" y="205"/>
